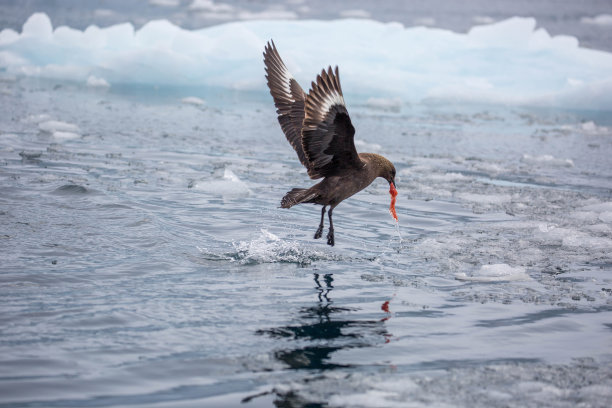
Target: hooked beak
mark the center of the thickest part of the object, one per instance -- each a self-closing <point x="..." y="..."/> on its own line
<point x="393" y="182"/>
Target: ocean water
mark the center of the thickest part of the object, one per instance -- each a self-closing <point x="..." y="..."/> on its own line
<point x="145" y="261"/>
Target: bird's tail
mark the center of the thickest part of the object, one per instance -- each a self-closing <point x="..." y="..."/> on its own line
<point x="297" y="196"/>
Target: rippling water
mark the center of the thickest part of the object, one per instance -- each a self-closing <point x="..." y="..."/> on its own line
<point x="145" y="261"/>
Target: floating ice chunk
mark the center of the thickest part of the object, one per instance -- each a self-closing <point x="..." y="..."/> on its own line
<point x="592" y="128"/>
<point x="355" y="13"/>
<point x="572" y="238"/>
<point x="63" y="136"/>
<point x="96" y="82"/>
<point x="495" y="273"/>
<point x="227" y="185"/>
<point x="52" y="126"/>
<point x="600" y="20"/>
<point x="229" y="175"/>
<point x="548" y="160"/>
<point x="601" y="211"/>
<point x="193" y="100"/>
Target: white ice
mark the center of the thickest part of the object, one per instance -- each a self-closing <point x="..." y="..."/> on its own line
<point x="508" y="62"/>
<point x="225" y="183"/>
<point x="96" y="82"/>
<point x="193" y="100"/>
<point x="52" y="126"/>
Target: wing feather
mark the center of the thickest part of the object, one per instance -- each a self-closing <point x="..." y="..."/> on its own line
<point x="289" y="99"/>
<point x="327" y="132"/>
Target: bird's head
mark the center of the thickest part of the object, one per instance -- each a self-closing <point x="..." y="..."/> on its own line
<point x="386" y="170"/>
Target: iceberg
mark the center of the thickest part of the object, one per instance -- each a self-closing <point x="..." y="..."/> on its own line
<point x="510" y="62"/>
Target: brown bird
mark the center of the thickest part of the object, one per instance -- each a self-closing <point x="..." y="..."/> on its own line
<point x="319" y="128"/>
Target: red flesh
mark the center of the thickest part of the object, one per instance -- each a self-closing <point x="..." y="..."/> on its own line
<point x="393" y="193"/>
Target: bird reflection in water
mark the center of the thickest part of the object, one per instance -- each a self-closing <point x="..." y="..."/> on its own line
<point x="325" y="328"/>
<point x="322" y="329"/>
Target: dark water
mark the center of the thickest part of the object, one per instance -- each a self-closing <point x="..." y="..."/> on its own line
<point x="145" y="261"/>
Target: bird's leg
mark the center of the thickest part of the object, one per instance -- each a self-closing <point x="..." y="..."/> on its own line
<point x="330" y="234"/>
<point x="320" y="229"/>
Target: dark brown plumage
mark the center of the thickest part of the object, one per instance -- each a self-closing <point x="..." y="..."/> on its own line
<point x="319" y="128"/>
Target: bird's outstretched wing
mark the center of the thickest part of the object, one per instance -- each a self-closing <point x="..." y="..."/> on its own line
<point x="327" y="132"/>
<point x="288" y="98"/>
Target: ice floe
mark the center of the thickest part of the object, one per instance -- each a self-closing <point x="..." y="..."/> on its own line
<point x="193" y="100"/>
<point x="225" y="183"/>
<point x="53" y="126"/>
<point x="96" y="82"/>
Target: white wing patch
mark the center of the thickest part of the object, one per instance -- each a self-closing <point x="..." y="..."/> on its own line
<point x="286" y="78"/>
<point x="331" y="99"/>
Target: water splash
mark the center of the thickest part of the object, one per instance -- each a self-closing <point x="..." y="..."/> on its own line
<point x="397" y="228"/>
<point x="269" y="248"/>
